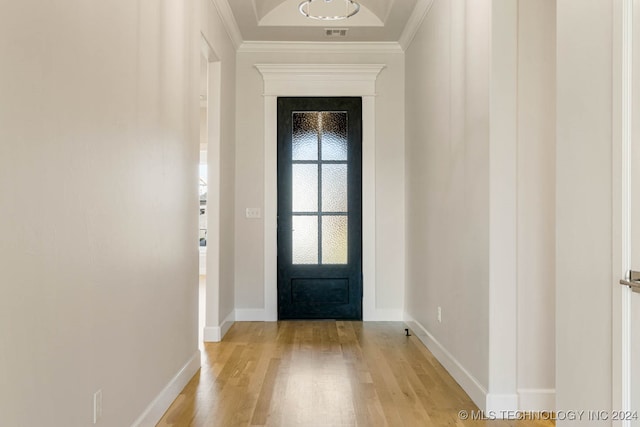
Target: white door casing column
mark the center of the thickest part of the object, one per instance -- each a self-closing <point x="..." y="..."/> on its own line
<point x="502" y="391"/>
<point x="623" y="84"/>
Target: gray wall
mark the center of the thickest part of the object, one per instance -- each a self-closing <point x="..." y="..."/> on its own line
<point x="389" y="170"/>
<point x="584" y="200"/>
<point x="98" y="200"/>
<point x="447" y="192"/>
<point x="480" y="192"/>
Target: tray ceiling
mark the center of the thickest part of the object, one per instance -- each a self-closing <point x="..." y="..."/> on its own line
<point x="280" y="21"/>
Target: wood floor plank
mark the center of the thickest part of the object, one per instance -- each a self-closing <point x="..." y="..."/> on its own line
<point x="322" y="374"/>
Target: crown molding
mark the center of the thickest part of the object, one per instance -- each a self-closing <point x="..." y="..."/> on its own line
<point x="230" y="24"/>
<point x="420" y="11"/>
<point x="319" y="47"/>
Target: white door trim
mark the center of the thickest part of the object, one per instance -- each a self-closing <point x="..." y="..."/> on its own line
<point x="622" y="139"/>
<point x="319" y="80"/>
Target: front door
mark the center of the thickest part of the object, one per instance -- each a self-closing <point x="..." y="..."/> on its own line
<point x="320" y="208"/>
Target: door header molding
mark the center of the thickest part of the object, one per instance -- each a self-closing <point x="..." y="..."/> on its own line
<point x="319" y="79"/>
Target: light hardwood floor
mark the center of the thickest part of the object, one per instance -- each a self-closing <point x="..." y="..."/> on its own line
<point x="322" y="373"/>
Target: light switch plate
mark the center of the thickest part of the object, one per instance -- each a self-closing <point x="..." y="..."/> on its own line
<point x="253" y="213"/>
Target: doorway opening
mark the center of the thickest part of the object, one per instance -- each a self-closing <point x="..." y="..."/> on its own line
<point x="209" y="190"/>
<point x="203" y="193"/>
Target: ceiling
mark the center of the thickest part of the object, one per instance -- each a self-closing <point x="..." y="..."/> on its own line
<point x="281" y="21"/>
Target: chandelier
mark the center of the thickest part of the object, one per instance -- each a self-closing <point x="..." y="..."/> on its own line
<point x="329" y="11"/>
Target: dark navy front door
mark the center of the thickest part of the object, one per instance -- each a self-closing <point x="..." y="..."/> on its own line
<point x="320" y="208"/>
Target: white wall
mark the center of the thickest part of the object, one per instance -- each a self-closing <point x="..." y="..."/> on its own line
<point x="98" y="200"/>
<point x="536" y="204"/>
<point x="447" y="193"/>
<point x="480" y="203"/>
<point x="583" y="210"/>
<point x="389" y="174"/>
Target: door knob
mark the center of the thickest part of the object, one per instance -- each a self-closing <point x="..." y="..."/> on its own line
<point x="633" y="281"/>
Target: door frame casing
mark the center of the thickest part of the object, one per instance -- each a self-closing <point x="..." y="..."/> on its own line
<point x="622" y="79"/>
<point x="324" y="80"/>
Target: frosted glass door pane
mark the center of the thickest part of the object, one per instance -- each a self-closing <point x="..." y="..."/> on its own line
<point x="334" y="135"/>
<point x="304" y="239"/>
<point x="334" y="188"/>
<point x="305" y="188"/>
<point x="305" y="136"/>
<point x="334" y="240"/>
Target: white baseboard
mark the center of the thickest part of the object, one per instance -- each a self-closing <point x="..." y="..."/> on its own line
<point x="250" y="315"/>
<point x="227" y="323"/>
<point x="468" y="382"/>
<point x="537" y="400"/>
<point x="378" y="315"/>
<point x="212" y="334"/>
<point x="216" y="333"/>
<point x="502" y="406"/>
<point x="161" y="403"/>
<point x="383" y="315"/>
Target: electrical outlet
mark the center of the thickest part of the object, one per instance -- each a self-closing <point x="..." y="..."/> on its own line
<point x="439" y="314"/>
<point x="253" y="213"/>
<point x="97" y="406"/>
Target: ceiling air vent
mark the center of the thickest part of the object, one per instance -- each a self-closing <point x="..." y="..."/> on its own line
<point x="335" y="32"/>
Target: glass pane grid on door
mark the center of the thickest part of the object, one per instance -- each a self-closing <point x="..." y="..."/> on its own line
<point x="319" y="188"/>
